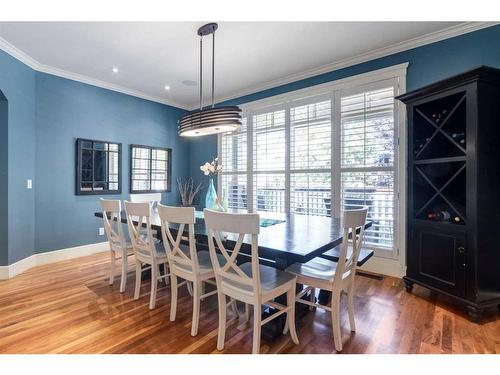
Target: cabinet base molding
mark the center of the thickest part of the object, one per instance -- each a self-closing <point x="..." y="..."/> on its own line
<point x="474" y="310"/>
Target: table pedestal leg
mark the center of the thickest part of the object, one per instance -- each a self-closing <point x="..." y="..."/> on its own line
<point x="324" y="297"/>
<point x="274" y="329"/>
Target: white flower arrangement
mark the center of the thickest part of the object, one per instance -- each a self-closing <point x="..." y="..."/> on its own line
<point x="211" y="169"/>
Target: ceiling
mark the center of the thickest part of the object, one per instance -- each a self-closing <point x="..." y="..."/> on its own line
<point x="249" y="56"/>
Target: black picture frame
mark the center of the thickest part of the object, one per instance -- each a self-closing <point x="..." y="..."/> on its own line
<point x="169" y="169"/>
<point x="78" y="168"/>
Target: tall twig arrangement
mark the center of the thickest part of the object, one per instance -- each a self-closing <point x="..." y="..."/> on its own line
<point x="188" y="191"/>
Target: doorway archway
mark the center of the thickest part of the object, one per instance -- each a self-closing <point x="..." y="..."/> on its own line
<point x="4" y="175"/>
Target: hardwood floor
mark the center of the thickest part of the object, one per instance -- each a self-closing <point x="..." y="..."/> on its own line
<point x="68" y="307"/>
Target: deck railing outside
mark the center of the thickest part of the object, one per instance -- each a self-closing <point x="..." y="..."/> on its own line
<point x="311" y="201"/>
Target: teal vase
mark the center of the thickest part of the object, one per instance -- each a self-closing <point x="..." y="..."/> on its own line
<point x="211" y="195"/>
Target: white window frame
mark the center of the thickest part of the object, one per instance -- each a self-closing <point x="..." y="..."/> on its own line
<point x="394" y="75"/>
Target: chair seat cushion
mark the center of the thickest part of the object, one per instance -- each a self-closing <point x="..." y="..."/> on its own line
<point x="160" y="250"/>
<point x="270" y="278"/>
<point x="129" y="247"/>
<point x="334" y="254"/>
<point x="118" y="248"/>
<point x="204" y="261"/>
<point x="317" y="268"/>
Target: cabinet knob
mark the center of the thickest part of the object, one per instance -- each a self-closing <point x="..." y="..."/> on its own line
<point x="461" y="249"/>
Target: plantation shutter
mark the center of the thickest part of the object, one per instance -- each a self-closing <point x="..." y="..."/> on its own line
<point x="320" y="152"/>
<point x="367" y="165"/>
<point x="233" y="156"/>
<point x="310" y="156"/>
<point x="269" y="160"/>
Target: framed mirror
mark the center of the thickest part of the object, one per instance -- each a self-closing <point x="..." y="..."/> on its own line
<point x="98" y="167"/>
<point x="150" y="169"/>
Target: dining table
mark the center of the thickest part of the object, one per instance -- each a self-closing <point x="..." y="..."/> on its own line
<point x="284" y="239"/>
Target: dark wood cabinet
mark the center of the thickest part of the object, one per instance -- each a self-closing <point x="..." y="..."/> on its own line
<point x="437" y="258"/>
<point x="453" y="243"/>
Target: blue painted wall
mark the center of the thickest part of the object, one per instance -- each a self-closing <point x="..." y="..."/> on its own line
<point x="427" y="64"/>
<point x="4" y="176"/>
<point x="17" y="82"/>
<point x="47" y="113"/>
<point x="67" y="110"/>
<point x="201" y="150"/>
<point x="45" y="116"/>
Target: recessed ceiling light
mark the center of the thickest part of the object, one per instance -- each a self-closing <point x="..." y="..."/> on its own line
<point x="167" y="87"/>
<point x="115" y="69"/>
<point x="189" y="82"/>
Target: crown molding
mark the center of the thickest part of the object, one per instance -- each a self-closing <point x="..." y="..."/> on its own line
<point x="450" y="32"/>
<point x="39" y="67"/>
<point x="18" y="54"/>
<point x="106" y="85"/>
<point x="363" y="79"/>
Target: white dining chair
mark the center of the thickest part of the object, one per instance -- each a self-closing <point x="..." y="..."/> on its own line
<point x="338" y="278"/>
<point x="145" y="198"/>
<point x="250" y="283"/>
<point x="147" y="250"/>
<point x="185" y="261"/>
<point x="118" y="245"/>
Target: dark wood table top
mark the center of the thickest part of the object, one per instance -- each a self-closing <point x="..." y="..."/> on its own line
<point x="334" y="255"/>
<point x="299" y="238"/>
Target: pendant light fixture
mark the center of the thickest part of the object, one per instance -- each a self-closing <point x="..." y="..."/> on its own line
<point x="212" y="120"/>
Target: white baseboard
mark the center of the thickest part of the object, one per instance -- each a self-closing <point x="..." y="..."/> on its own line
<point x="385" y="266"/>
<point x="8" y="272"/>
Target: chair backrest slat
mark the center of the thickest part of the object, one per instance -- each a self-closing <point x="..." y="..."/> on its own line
<point x="354" y="226"/>
<point x="230" y="272"/>
<point x="181" y="216"/>
<point x="140" y="235"/>
<point x="111" y="215"/>
<point x="145" y="198"/>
